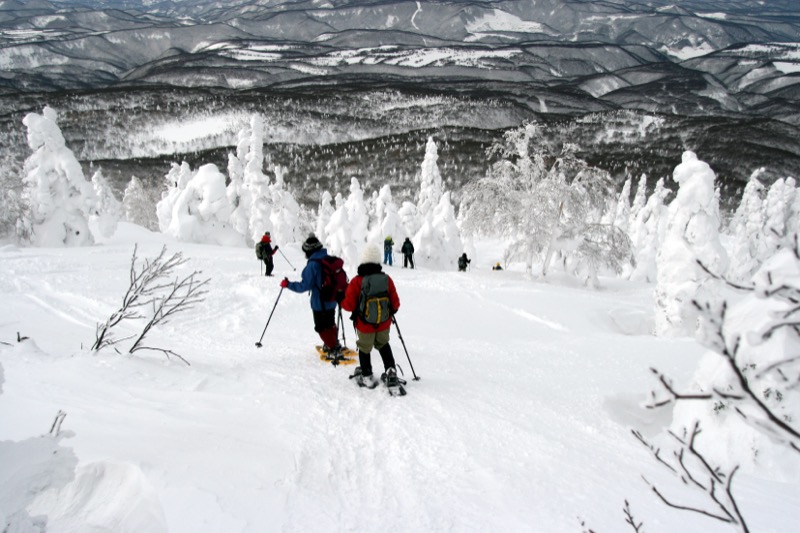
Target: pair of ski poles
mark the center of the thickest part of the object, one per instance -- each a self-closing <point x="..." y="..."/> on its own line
<point x="341" y="326"/>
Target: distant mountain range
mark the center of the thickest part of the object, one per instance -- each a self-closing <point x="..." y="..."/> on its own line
<point x="734" y="61"/>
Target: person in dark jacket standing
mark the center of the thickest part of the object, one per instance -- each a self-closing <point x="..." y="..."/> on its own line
<point x="372" y="322"/>
<point x="311" y="280"/>
<point x="267" y="251"/>
<point x="463" y="261"/>
<point x="408" y="253"/>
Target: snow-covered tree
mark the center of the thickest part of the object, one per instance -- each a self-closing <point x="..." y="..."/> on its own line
<point x="324" y="214"/>
<point x="409" y="218"/>
<point x="285" y="216"/>
<point x="257" y="183"/>
<point x="138" y="206"/>
<point x="201" y="211"/>
<point x="639" y="200"/>
<point x="12" y="206"/>
<point x="59" y="200"/>
<point x="623" y="211"/>
<point x="740" y="411"/>
<point x="438" y="242"/>
<point x="176" y="180"/>
<point x="748" y="248"/>
<point x="108" y="210"/>
<point x="387" y="219"/>
<point x="647" y="233"/>
<point x="430" y="182"/>
<point x="541" y="203"/>
<point x="347" y="229"/>
<point x="692" y="235"/>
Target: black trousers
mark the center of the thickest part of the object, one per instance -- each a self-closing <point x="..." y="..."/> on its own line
<point x="408" y="258"/>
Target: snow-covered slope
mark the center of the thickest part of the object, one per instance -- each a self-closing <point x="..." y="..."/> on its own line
<point x="520" y="422"/>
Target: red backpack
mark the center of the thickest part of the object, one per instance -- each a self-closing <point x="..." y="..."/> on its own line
<point x="334" y="279"/>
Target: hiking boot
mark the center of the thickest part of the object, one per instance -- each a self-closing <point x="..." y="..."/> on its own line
<point x="390" y="378"/>
<point x="369" y="381"/>
<point x="332" y="353"/>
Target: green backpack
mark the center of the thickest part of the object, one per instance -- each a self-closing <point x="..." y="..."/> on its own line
<point x="259" y="251"/>
<point x="373" y="303"/>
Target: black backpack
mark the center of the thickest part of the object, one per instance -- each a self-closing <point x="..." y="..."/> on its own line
<point x="334" y="279"/>
<point x="374" y="306"/>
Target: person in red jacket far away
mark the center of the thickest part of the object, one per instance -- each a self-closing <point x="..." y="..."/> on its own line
<point x="372" y="298"/>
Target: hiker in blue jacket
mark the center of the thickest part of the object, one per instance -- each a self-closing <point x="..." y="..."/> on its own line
<point x="311" y="280"/>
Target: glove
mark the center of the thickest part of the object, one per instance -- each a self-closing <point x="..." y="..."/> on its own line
<point x="276" y="248"/>
<point x="284" y="283"/>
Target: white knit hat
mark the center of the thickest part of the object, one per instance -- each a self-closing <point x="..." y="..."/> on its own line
<point x="371" y="254"/>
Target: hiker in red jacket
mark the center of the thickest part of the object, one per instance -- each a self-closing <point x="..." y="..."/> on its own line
<point x="372" y="298"/>
<point x="267" y="251"/>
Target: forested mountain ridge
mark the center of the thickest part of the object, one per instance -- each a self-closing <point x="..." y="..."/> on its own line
<point x="714" y="73"/>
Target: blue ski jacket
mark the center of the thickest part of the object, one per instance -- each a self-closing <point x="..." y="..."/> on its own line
<point x="312" y="281"/>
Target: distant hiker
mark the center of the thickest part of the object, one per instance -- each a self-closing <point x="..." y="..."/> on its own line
<point x="497" y="266"/>
<point x="463" y="262"/>
<point x="323" y="309"/>
<point x="265" y="251"/>
<point x="372" y="298"/>
<point x="408" y="253"/>
<point x="387" y="250"/>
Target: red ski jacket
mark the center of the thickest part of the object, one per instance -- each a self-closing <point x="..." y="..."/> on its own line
<point x="350" y="303"/>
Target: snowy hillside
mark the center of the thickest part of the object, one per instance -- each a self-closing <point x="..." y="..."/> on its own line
<point x="520" y="422"/>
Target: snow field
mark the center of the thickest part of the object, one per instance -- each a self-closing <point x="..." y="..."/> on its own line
<point x="520" y="422"/>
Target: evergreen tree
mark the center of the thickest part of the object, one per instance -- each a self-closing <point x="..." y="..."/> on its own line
<point x="59" y="200"/>
<point x="438" y="242"/>
<point x="176" y="180"/>
<point x="108" y="210"/>
<point x="139" y="207"/>
<point x="647" y="233"/>
<point x="257" y="184"/>
<point x="430" y="182"/>
<point x="201" y="211"/>
<point x="285" y="217"/>
<point x="692" y="235"/>
<point x="748" y="248"/>
<point x="324" y="215"/>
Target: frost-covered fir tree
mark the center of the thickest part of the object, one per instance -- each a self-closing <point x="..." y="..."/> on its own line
<point x="257" y="183"/>
<point x="692" y="235"/>
<point x="176" y="180"/>
<point x="324" y="214"/>
<point x="647" y="233"/>
<point x="623" y="210"/>
<point x="387" y="220"/>
<point x="347" y="229"/>
<point x="340" y="239"/>
<point x="59" y="200"/>
<point x="409" y="218"/>
<point x="108" y="210"/>
<point x="438" y="243"/>
<point x="775" y="215"/>
<point x="639" y="200"/>
<point x="430" y="182"/>
<point x="138" y="205"/>
<point x="201" y="212"/>
<point x="238" y="194"/>
<point x="285" y="217"/>
<point x="748" y="248"/>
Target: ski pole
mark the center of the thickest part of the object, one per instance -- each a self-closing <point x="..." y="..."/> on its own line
<point x="287" y="260"/>
<point x="258" y="344"/>
<point x="400" y="335"/>
<point x="341" y="327"/>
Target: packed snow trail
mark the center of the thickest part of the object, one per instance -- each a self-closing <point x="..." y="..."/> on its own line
<point x="520" y="421"/>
